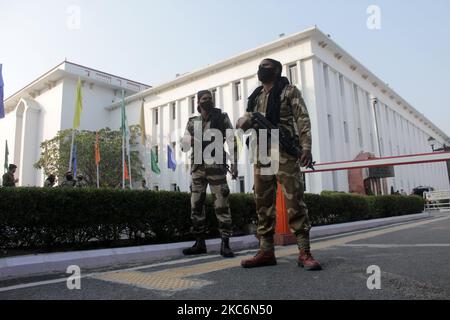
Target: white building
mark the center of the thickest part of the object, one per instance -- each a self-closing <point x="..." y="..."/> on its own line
<point x="338" y="90"/>
<point x="38" y="111"/>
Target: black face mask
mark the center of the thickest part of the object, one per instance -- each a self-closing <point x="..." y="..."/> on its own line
<point x="267" y="75"/>
<point x="207" y="106"/>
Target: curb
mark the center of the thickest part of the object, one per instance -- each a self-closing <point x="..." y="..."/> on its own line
<point x="33" y="265"/>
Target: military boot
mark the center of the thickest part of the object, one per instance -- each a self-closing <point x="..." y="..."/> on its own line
<point x="262" y="259"/>
<point x="225" y="250"/>
<point x="199" y="247"/>
<point x="306" y="260"/>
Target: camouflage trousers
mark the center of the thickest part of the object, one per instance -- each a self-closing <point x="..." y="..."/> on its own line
<point x="215" y="176"/>
<point x="265" y="188"/>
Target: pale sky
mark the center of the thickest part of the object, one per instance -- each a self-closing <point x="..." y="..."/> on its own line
<point x="152" y="41"/>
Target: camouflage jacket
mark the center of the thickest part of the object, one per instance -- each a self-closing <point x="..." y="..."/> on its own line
<point x="294" y="116"/>
<point x="48" y="184"/>
<point x="67" y="184"/>
<point x="205" y="124"/>
<point x="8" y="180"/>
<point x="81" y="184"/>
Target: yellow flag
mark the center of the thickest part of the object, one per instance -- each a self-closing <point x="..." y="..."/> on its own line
<point x="142" y="124"/>
<point x="240" y="145"/>
<point x="78" y="106"/>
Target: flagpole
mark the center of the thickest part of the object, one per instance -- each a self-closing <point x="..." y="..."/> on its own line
<point x="71" y="150"/>
<point x="98" y="178"/>
<point x="129" y="168"/>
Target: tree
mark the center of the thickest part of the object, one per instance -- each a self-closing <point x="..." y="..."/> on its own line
<point x="55" y="155"/>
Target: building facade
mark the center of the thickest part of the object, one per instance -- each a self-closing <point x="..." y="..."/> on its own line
<point x="352" y="112"/>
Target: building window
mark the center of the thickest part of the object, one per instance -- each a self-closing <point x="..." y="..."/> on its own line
<point x="325" y="76"/>
<point x="387" y="114"/>
<point x="346" y="135"/>
<point x="330" y="127"/>
<point x="192" y="103"/>
<point x="341" y="85"/>
<point x="360" y="138"/>
<point x="372" y="146"/>
<point x="214" y="96"/>
<point x="174" y="110"/>
<point x="174" y="153"/>
<point x="355" y="90"/>
<point x="156" y="114"/>
<point x="241" y="184"/>
<point x="292" y="74"/>
<point x="237" y="91"/>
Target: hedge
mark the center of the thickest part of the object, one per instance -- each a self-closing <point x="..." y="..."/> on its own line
<point x="77" y="218"/>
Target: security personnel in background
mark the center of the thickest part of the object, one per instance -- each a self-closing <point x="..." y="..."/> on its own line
<point x="50" y="181"/>
<point x="69" y="182"/>
<point x="8" y="177"/>
<point x="283" y="105"/>
<point x="213" y="174"/>
<point x="144" y="184"/>
<point x="80" y="183"/>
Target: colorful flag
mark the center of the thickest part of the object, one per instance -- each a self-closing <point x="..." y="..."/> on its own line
<point x="2" y="106"/>
<point x="155" y="167"/>
<point x="74" y="160"/>
<point x="170" y="159"/>
<point x="127" y="176"/>
<point x="142" y="124"/>
<point x="97" y="150"/>
<point x="78" y="106"/>
<point x="239" y="147"/>
<point x="6" y="164"/>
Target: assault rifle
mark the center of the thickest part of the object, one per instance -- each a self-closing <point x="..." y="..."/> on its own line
<point x="289" y="144"/>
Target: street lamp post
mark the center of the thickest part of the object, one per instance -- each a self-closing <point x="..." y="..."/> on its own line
<point x="432" y="142"/>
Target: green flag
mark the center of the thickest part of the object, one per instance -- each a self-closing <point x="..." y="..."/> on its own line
<point x="6" y="156"/>
<point x="124" y="126"/>
<point x="155" y="167"/>
<point x="78" y="106"/>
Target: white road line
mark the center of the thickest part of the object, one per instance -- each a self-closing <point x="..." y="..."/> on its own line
<point x="370" y="245"/>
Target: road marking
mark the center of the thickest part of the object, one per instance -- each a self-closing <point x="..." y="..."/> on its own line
<point x="228" y="263"/>
<point x="172" y="279"/>
<point x="371" y="245"/>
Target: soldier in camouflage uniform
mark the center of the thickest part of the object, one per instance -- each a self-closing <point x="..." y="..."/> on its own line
<point x="81" y="183"/>
<point x="8" y="177"/>
<point x="50" y="181"/>
<point x="69" y="182"/>
<point x="283" y="105"/>
<point x="213" y="174"/>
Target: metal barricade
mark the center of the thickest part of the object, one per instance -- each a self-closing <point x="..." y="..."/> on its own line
<point x="437" y="200"/>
